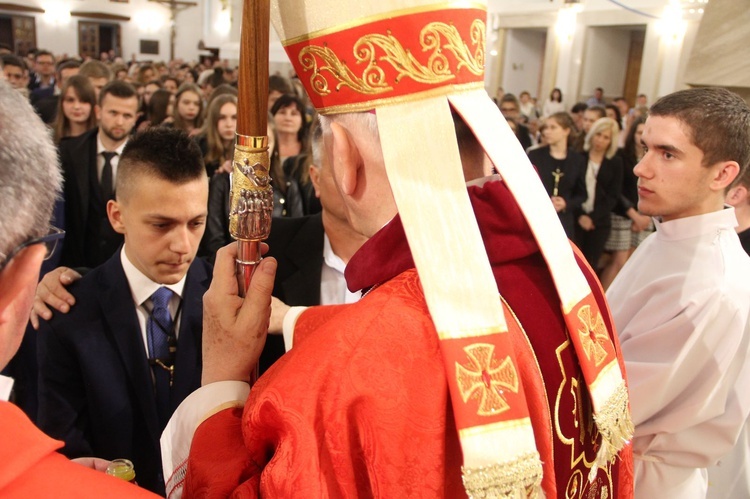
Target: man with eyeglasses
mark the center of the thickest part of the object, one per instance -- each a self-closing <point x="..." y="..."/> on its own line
<point x="44" y="71"/>
<point x="49" y="240"/>
<point x="29" y="182"/>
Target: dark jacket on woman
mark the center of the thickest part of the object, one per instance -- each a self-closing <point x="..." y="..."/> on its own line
<point x="572" y="185"/>
<point x="606" y="194"/>
<point x="217" y="223"/>
<point x="608" y="190"/>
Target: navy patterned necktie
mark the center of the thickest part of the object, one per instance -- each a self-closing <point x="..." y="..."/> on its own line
<point x="158" y="328"/>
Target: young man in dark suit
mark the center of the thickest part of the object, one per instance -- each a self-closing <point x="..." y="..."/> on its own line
<point x="113" y="369"/>
<point x="90" y="166"/>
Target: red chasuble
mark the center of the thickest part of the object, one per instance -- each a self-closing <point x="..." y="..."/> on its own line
<point x="30" y="466"/>
<point x="359" y="407"/>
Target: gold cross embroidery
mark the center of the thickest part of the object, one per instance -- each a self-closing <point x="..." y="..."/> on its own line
<point x="486" y="379"/>
<point x="593" y="335"/>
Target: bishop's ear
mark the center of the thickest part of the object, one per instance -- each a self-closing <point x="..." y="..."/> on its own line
<point x="346" y="160"/>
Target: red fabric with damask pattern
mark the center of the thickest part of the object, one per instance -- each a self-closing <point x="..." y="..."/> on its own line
<point x="359" y="407"/>
<point x="314" y="318"/>
<point x="31" y="467"/>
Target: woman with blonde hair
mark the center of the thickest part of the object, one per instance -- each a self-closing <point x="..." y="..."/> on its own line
<point x="75" y="109"/>
<point x="629" y="227"/>
<point x="603" y="180"/>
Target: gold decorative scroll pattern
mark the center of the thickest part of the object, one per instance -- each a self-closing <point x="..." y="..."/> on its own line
<point x="437" y="37"/>
<point x="486" y="378"/>
<point x="593" y="335"/>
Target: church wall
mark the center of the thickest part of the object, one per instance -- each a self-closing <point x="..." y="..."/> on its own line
<point x="605" y="61"/>
<point x="590" y="41"/>
<point x="57" y="31"/>
<point x="524" y="54"/>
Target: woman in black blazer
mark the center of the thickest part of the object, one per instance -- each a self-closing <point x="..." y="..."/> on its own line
<point x="603" y="179"/>
<point x="561" y="169"/>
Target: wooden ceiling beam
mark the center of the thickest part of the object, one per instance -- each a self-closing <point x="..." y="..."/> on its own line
<point x="20" y="8"/>
<point x="100" y="15"/>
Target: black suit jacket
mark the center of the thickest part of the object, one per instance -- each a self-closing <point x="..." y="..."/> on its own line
<point x="77" y="157"/>
<point x="522" y="133"/>
<point x="95" y="385"/>
<point x="297" y="244"/>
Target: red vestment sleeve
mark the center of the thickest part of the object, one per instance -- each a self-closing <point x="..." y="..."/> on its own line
<point x="219" y="460"/>
<point x="31" y="467"/>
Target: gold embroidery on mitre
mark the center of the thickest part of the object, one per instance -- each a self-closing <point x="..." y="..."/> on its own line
<point x="486" y="378"/>
<point x="593" y="335"/>
<point x="436" y="36"/>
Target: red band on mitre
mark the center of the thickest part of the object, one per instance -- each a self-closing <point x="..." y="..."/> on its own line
<point x="356" y="68"/>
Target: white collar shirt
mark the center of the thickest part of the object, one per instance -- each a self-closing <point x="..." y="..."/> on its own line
<point x="141" y="288"/>
<point x="6" y="385"/>
<point x="333" y="290"/>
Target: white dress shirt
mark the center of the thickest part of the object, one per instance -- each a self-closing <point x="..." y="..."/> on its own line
<point x="141" y="287"/>
<point x="6" y="385"/>
<point x="333" y="290"/>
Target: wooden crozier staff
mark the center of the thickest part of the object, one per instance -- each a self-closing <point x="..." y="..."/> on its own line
<point x="251" y="197"/>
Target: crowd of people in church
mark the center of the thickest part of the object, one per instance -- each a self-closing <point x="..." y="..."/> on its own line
<point x="146" y="153"/>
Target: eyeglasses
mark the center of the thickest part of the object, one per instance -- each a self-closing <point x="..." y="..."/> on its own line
<point x="49" y="240"/>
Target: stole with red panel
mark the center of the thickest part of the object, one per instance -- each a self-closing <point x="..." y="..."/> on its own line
<point x="360" y="406"/>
